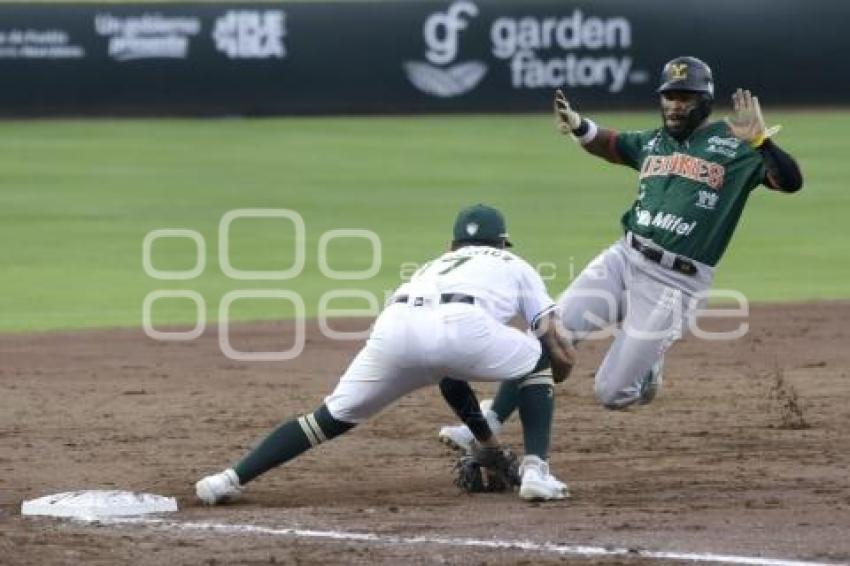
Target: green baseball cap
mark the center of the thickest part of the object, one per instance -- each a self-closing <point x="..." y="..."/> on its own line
<point x="481" y="223"/>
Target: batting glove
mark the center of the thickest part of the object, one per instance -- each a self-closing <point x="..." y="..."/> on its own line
<point x="747" y="122"/>
<point x="566" y="119"/>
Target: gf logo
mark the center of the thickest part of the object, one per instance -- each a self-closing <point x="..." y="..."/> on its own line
<point x="440" y="76"/>
<point x="441" y="31"/>
<point x="679" y="71"/>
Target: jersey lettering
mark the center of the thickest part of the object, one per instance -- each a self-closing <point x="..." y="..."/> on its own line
<point x="694" y="168"/>
<point x="455" y="261"/>
<point x="502" y="283"/>
<point x="666" y="221"/>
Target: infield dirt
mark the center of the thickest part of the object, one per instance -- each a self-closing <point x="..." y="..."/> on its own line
<point x="746" y="451"/>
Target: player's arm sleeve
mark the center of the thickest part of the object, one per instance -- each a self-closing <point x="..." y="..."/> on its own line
<point x="781" y="170"/>
<point x="534" y="300"/>
<point x="603" y="144"/>
<point x="628" y="147"/>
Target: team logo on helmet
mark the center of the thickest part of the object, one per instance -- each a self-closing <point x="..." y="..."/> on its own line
<point x="472" y="228"/>
<point x="679" y="71"/>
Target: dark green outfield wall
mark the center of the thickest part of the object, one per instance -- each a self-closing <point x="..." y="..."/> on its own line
<point x="401" y="57"/>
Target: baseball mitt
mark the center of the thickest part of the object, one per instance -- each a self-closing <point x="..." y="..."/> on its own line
<point x="487" y="470"/>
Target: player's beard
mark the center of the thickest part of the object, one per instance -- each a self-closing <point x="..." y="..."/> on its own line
<point x="684" y="123"/>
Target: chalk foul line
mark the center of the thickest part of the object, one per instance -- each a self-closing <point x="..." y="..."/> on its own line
<point x="495" y="544"/>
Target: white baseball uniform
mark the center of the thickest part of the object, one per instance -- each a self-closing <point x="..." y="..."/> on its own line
<point x="449" y="320"/>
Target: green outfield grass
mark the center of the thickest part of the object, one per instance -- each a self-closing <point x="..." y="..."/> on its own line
<point x="78" y="197"/>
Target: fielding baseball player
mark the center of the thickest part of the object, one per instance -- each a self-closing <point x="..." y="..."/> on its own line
<point x="694" y="178"/>
<point x="448" y="320"/>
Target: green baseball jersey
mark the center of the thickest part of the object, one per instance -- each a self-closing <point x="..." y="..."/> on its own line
<point x="691" y="194"/>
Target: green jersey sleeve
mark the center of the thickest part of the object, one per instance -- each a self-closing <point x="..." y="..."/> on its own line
<point x="632" y="146"/>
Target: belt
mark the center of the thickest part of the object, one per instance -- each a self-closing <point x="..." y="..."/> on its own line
<point x="444" y="298"/>
<point x="680" y="264"/>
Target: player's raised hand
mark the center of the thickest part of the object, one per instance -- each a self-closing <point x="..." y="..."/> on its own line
<point x="747" y="121"/>
<point x="566" y="119"/>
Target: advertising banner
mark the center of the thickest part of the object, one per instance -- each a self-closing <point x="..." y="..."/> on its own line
<point x="406" y="56"/>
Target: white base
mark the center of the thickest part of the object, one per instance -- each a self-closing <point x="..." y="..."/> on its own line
<point x="91" y="505"/>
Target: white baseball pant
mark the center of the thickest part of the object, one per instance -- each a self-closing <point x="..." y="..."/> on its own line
<point x="414" y="346"/>
<point x="654" y="304"/>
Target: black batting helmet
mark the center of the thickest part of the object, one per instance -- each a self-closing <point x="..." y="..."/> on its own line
<point x="687" y="74"/>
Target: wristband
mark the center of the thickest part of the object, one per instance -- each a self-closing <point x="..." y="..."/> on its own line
<point x="583" y="126"/>
<point x="765" y="135"/>
<point x="586" y="131"/>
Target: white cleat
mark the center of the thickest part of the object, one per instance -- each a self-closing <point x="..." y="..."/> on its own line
<point x="537" y="483"/>
<point x="459" y="437"/>
<point x="218" y="488"/>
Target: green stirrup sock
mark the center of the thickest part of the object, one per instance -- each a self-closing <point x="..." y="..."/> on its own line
<point x="289" y="440"/>
<point x="506" y="400"/>
<point x="536" y="407"/>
